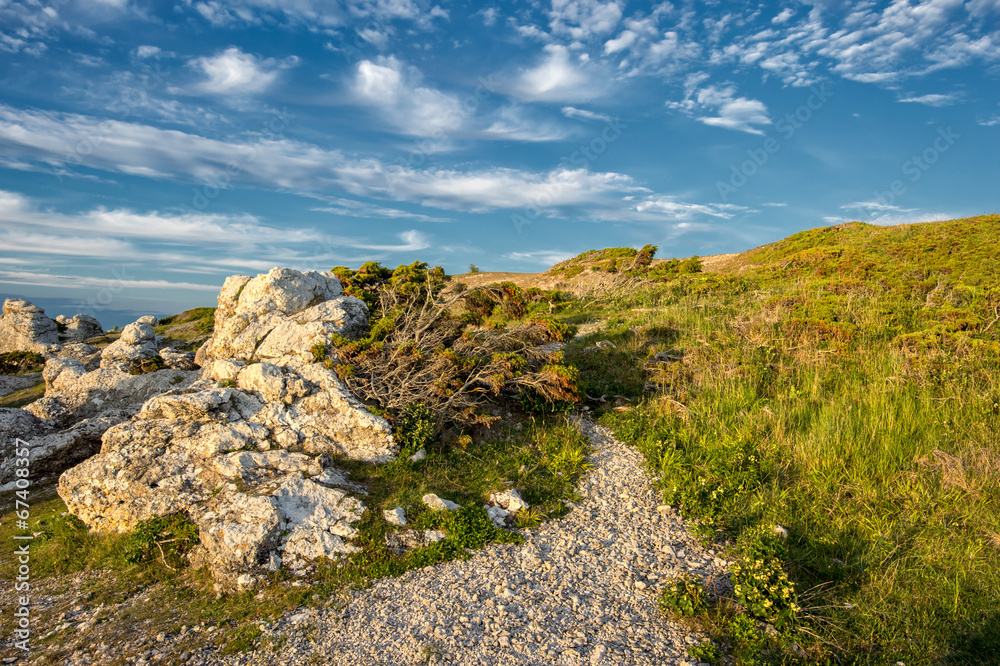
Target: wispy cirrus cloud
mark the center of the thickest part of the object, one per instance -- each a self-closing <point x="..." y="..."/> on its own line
<point x="540" y="257"/>
<point x="933" y="99"/>
<point x="286" y="165"/>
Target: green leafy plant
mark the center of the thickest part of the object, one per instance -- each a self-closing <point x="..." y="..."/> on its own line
<point x="684" y="595"/>
<point x="414" y="429"/>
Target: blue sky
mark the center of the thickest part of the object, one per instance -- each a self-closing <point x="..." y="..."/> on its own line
<point x="150" y="149"/>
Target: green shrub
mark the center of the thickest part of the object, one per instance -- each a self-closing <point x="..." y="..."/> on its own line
<point x="414" y="428"/>
<point x="147" y="365"/>
<point x="470" y="527"/>
<point x="17" y="362"/>
<point x="166" y="537"/>
<point x="684" y="595"/>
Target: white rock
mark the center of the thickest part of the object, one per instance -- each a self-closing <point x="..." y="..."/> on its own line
<point x="177" y="359"/>
<point x="497" y="514"/>
<point x="286" y="303"/>
<point x="438" y="504"/>
<point x="433" y="536"/>
<point x="136" y="343"/>
<point x="24" y="327"/>
<point x="80" y="327"/>
<point x="395" y="516"/>
<point x="419" y="455"/>
<point x="509" y="499"/>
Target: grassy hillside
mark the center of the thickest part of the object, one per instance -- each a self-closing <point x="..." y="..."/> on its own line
<point x="827" y="407"/>
<point x="841" y="386"/>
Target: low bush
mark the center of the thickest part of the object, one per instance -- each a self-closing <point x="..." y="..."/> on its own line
<point x="20" y="362"/>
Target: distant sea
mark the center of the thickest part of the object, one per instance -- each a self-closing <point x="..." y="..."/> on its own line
<point x="109" y="317"/>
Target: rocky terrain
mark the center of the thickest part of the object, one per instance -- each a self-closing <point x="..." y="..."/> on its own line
<point x="241" y="438"/>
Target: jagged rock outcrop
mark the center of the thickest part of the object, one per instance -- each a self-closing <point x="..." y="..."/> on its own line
<point x="24" y="327"/>
<point x="244" y="451"/>
<point x="89" y="355"/>
<point x="78" y="327"/>
<point x="18" y="423"/>
<point x="245" y="463"/>
<point x="178" y="360"/>
<point x="137" y="343"/>
<point x="52" y="453"/>
<point x="73" y="394"/>
<point x="282" y="312"/>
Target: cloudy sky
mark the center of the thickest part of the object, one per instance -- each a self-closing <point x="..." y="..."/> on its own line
<point x="149" y="149"/>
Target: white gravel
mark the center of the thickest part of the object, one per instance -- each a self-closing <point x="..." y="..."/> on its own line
<point x="579" y="590"/>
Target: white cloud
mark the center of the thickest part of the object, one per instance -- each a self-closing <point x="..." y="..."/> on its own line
<point x="490" y="15"/>
<point x="233" y="72"/>
<point x="559" y="77"/>
<point x="353" y="208"/>
<point x="990" y="122"/>
<point x="40" y="279"/>
<point x="164" y="243"/>
<point x="322" y="13"/>
<point x="542" y="257"/>
<point x="681" y="210"/>
<point x="147" y="51"/>
<point x="394" y="90"/>
<point x="933" y="99"/>
<point x="583" y="114"/>
<point x="584" y="19"/>
<point x="623" y="41"/>
<point x="783" y="17"/>
<point x="731" y="112"/>
<point x="874" y="206"/>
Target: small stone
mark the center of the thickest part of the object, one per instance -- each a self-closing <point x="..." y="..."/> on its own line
<point x="419" y="455"/>
<point x="439" y="504"/>
<point x="510" y="500"/>
<point x="433" y="536"/>
<point x="395" y="516"/>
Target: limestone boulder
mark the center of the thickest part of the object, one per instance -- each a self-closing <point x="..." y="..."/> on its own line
<point x="72" y="394"/>
<point x="220" y="456"/>
<point x="24" y="327"/>
<point x="137" y="343"/>
<point x="178" y="360"/>
<point x="298" y="309"/>
<point x="21" y="424"/>
<point x="51" y="454"/>
<point x="89" y="355"/>
<point x="79" y="327"/>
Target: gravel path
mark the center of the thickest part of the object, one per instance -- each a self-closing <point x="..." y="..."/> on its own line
<point x="579" y="590"/>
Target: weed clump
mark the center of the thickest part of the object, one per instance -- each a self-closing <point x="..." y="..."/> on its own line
<point x="20" y="362"/>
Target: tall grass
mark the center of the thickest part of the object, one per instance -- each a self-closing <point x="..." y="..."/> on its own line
<point x="863" y="421"/>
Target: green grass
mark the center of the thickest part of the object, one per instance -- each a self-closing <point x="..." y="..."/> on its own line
<point x="845" y="385"/>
